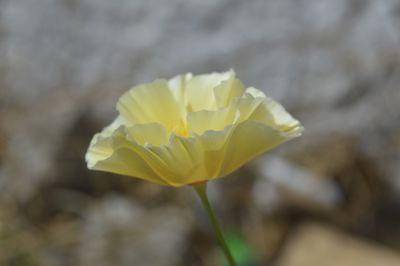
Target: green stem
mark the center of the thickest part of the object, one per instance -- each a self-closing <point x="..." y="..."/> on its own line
<point x="202" y="193"/>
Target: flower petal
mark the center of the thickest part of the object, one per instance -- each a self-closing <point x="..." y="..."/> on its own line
<point x="100" y="146"/>
<point x="109" y="130"/>
<point x="247" y="105"/>
<point x="183" y="158"/>
<point x="270" y="113"/>
<point x="150" y="103"/>
<point x="116" y="154"/>
<point x="202" y="121"/>
<point x="177" y="85"/>
<point x="127" y="162"/>
<point x="255" y="92"/>
<point x="213" y="147"/>
<point x="228" y="90"/>
<point x="153" y="134"/>
<point x="200" y="90"/>
<point x="248" y="140"/>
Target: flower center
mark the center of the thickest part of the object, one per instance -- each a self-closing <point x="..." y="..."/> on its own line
<point x="182" y="129"/>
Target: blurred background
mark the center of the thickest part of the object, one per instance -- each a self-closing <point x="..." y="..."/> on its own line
<point x="331" y="197"/>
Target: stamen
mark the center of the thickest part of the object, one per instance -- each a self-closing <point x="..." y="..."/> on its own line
<point x="182" y="129"/>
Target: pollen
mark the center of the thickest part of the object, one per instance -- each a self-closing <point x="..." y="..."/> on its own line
<point x="182" y="129"/>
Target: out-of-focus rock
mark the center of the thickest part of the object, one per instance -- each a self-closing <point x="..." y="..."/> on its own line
<point x="314" y="244"/>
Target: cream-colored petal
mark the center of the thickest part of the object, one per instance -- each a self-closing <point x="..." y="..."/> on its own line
<point x="200" y="90"/>
<point x="248" y="140"/>
<point x="255" y="92"/>
<point x="125" y="161"/>
<point x="116" y="154"/>
<point x="153" y="134"/>
<point x="101" y="145"/>
<point x="183" y="160"/>
<point x="213" y="146"/>
<point x="201" y="121"/>
<point x="177" y="85"/>
<point x="175" y="164"/>
<point x="109" y="130"/>
<point x="270" y="113"/>
<point x="99" y="149"/>
<point x="281" y="117"/>
<point x="227" y="91"/>
<point x="150" y="103"/>
<point x="247" y="105"/>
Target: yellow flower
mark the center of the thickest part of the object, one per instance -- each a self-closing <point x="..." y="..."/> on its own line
<point x="189" y="129"/>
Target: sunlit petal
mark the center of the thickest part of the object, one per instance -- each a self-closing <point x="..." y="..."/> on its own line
<point x="200" y="90"/>
<point x="248" y="140"/>
<point x="115" y="154"/>
<point x="201" y="121"/>
<point x="153" y="134"/>
<point x="150" y="103"/>
<point x="190" y="129"/>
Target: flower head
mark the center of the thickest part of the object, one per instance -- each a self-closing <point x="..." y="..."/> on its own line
<point x="189" y="129"/>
